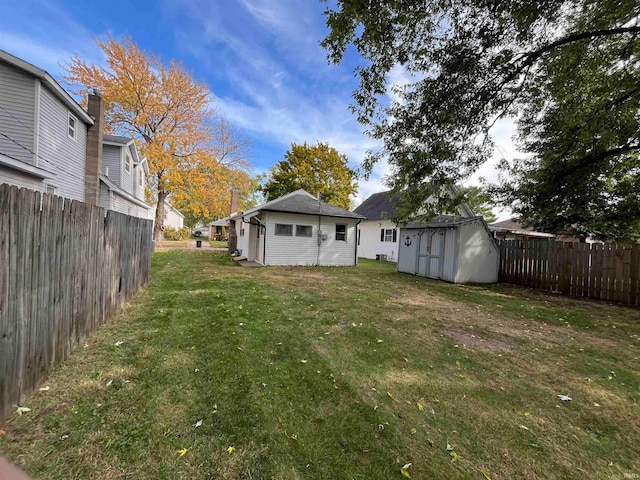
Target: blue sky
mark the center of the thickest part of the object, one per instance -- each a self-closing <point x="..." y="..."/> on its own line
<point x="260" y="58"/>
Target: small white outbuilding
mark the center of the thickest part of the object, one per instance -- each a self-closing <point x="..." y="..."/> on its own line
<point x="454" y="249"/>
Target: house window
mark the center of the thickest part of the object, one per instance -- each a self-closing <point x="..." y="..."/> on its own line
<point x="304" y="230"/>
<point x="388" y="235"/>
<point x="341" y="232"/>
<point x="140" y="178"/>
<point x="72" y="127"/>
<point x="284" y="230"/>
<point x="127" y="163"/>
<point x="242" y="232"/>
<point x="51" y="189"/>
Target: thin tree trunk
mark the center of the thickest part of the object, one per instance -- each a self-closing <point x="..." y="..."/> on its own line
<point x="159" y="223"/>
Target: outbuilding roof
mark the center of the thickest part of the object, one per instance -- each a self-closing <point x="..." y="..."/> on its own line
<point x="442" y="221"/>
<point x="379" y="206"/>
<point x="301" y="202"/>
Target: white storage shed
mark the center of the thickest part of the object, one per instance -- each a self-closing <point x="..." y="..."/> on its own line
<point x="453" y="249"/>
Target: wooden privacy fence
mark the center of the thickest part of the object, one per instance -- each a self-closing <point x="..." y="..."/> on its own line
<point x="600" y="270"/>
<point x="65" y="268"/>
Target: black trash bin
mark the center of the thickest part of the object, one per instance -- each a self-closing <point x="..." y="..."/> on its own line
<point x="198" y="243"/>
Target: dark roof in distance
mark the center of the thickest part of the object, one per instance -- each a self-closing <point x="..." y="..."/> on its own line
<point x="305" y="204"/>
<point x="379" y="206"/>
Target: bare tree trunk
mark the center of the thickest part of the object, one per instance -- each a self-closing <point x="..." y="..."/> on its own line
<point x="157" y="229"/>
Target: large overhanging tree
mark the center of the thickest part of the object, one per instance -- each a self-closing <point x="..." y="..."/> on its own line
<point x="567" y="71"/>
<point x="171" y="113"/>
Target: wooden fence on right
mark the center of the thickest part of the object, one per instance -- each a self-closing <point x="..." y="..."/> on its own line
<point x="602" y="271"/>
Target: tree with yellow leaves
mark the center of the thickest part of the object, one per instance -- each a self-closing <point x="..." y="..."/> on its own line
<point x="319" y="169"/>
<point x="171" y="113"/>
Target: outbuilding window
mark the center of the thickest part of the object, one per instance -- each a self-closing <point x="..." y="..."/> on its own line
<point x="284" y="230"/>
<point x="388" y="235"/>
<point x="341" y="232"/>
<point x="304" y="230"/>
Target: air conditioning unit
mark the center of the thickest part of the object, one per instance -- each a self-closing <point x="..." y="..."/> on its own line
<point x="381" y="257"/>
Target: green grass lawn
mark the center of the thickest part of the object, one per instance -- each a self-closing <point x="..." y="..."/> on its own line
<point x="219" y="244"/>
<point x="338" y="373"/>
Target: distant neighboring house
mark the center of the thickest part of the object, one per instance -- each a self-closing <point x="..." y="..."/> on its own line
<point x="513" y="230"/>
<point x="378" y="237"/>
<point x="124" y="177"/>
<point x="172" y="216"/>
<point x="45" y="136"/>
<point x="297" y="229"/>
<point x="218" y="229"/>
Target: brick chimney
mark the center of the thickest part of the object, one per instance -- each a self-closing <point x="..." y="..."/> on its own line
<point x="93" y="161"/>
<point x="231" y="234"/>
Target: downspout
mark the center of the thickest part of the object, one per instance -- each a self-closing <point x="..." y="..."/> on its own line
<point x="356" y="242"/>
<point x="319" y="241"/>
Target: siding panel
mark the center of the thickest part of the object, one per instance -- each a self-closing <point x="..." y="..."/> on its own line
<point x="111" y="159"/>
<point x="19" y="179"/>
<point x="285" y="250"/>
<point x="62" y="154"/>
<point x="17" y="99"/>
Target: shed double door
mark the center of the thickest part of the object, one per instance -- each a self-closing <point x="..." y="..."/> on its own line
<point x="431" y="253"/>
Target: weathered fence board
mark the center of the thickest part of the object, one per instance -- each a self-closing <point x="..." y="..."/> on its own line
<point x="601" y="271"/>
<point x="65" y="268"/>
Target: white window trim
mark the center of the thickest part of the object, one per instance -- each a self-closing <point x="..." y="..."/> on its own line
<point x="388" y="234"/>
<point x="73" y="137"/>
<point x="140" y="173"/>
<point x="49" y="185"/>
<point x="127" y="165"/>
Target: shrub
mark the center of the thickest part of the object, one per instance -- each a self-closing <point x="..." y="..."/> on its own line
<point x="171" y="233"/>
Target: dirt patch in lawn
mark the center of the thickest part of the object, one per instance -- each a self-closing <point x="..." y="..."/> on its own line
<point x="473" y="341"/>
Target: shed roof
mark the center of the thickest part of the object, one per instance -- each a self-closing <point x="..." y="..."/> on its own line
<point x="442" y="221"/>
<point x="301" y="202"/>
<point x="379" y="206"/>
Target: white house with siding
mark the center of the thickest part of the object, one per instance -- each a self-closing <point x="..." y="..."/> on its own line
<point x="124" y="177"/>
<point x="297" y="229"/>
<point x="43" y="131"/>
<point x="378" y="236"/>
<point x="172" y="216"/>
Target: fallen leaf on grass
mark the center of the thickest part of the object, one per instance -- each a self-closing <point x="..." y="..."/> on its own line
<point x="564" y="398"/>
<point x="391" y="396"/>
<point x="118" y="343"/>
<point x="198" y="424"/>
<point x="454" y="456"/>
<point x="2" y="432"/>
<point x="404" y="470"/>
<point x="413" y="431"/>
<point x="231" y="449"/>
<point x="44" y="389"/>
<point x="21" y="410"/>
<point x="182" y="451"/>
<point x="303" y="361"/>
<point x="524" y="428"/>
<point x="379" y="341"/>
<point x="486" y="474"/>
<point x="420" y="406"/>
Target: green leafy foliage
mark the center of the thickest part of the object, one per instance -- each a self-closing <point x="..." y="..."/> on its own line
<point x="315" y="168"/>
<point x="171" y="233"/>
<point x="566" y="71"/>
